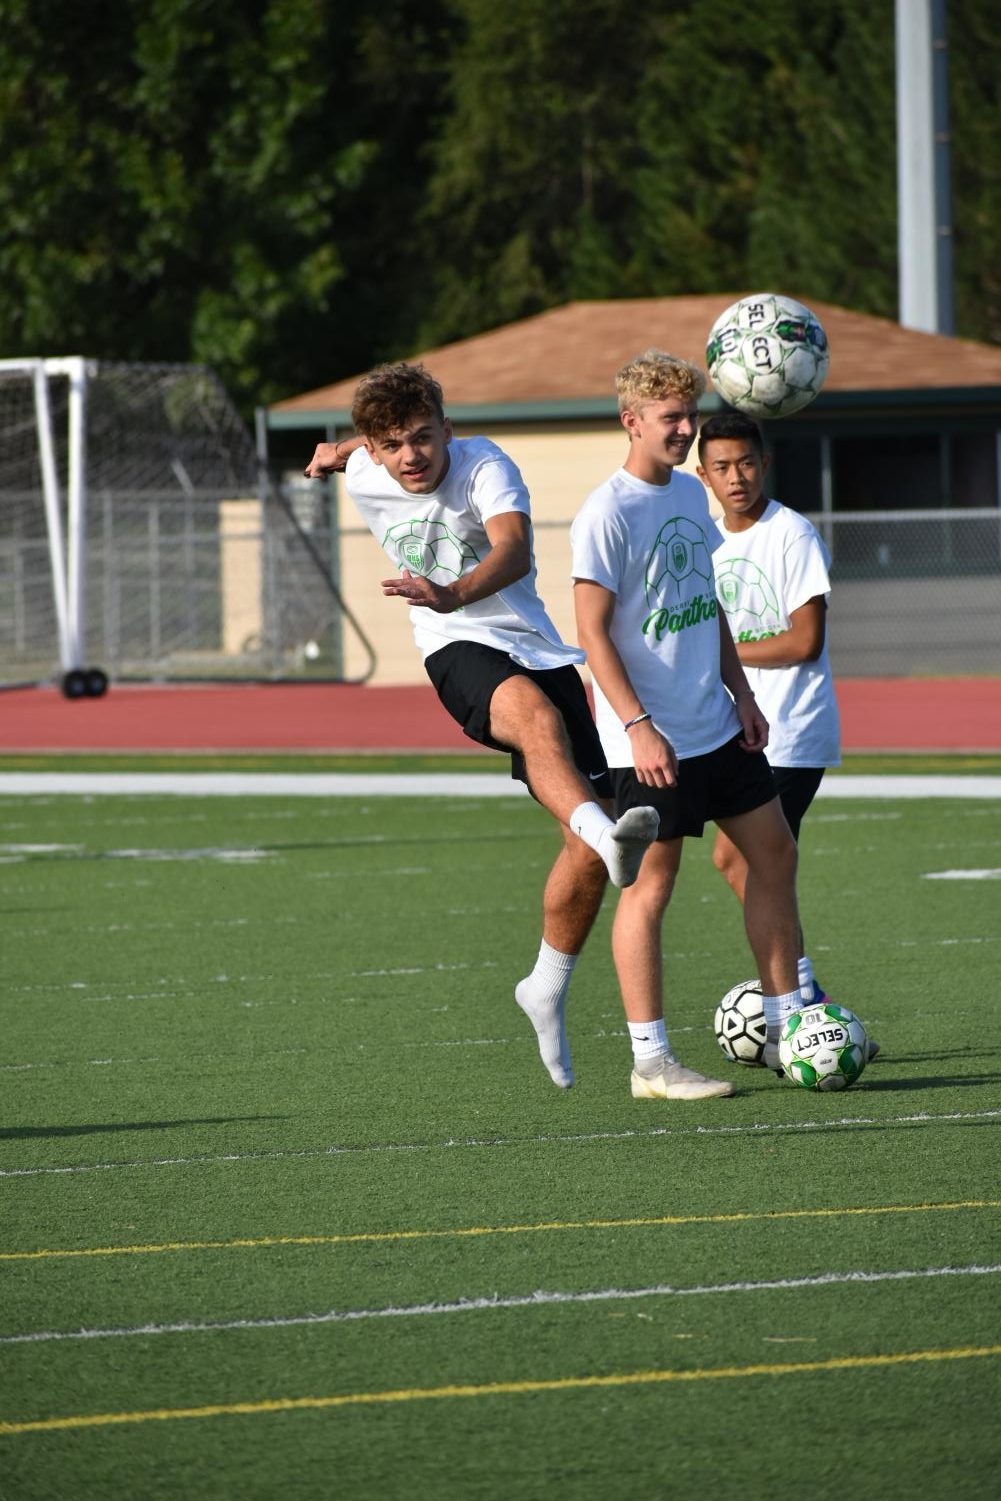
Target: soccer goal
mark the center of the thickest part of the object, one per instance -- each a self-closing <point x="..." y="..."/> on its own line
<point x="142" y="538"/>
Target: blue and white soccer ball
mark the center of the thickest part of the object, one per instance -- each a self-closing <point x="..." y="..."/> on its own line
<point x="823" y="1047"/>
<point x="767" y="355"/>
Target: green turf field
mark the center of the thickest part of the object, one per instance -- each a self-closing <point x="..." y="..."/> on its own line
<point x="291" y="1209"/>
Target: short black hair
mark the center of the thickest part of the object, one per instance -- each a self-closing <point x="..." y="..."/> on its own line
<point x="735" y="425"/>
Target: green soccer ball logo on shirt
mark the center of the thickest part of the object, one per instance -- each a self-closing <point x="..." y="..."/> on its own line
<point x="430" y="549"/>
<point x="744" y="590"/>
<point x="680" y="563"/>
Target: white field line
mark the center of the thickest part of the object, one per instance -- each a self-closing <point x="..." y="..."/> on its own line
<point x="752" y="1128"/>
<point x="540" y="1299"/>
<point x="256" y="1056"/>
<point x="433" y="784"/>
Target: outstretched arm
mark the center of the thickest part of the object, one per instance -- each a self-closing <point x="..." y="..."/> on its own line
<point x="509" y="559"/>
<point x="332" y="458"/>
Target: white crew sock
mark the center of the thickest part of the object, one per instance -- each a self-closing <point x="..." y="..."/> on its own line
<point x="649" y="1040"/>
<point x="778" y="1007"/>
<point x="542" y="996"/>
<point x="621" y="845"/>
<point x="807" y="983"/>
<point x="589" y="821"/>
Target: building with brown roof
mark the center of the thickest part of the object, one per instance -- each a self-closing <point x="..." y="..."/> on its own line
<point x="562" y="361"/>
<point x="903" y="441"/>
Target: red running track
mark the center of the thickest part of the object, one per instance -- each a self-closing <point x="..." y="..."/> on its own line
<point x="878" y="714"/>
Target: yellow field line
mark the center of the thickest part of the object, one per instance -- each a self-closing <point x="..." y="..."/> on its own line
<point x="495" y="1389"/>
<point x="363" y="1237"/>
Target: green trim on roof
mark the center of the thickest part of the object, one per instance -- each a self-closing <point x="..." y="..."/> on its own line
<point x="577" y="409"/>
<point x="981" y="399"/>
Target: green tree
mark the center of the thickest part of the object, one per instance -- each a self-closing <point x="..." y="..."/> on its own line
<point x="780" y="136"/>
<point x="975" y="108"/>
<point x="530" y="171"/>
<point x="290" y="190"/>
<point x="170" y="175"/>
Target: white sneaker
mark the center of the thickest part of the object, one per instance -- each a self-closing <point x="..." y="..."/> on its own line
<point x="623" y="846"/>
<point x="670" y="1080"/>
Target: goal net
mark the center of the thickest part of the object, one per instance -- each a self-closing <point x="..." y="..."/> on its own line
<point x="141" y="538"/>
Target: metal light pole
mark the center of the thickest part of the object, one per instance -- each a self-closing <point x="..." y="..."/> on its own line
<point x="924" y="235"/>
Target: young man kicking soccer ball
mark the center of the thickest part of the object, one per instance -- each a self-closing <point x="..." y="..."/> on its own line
<point x="773" y="583"/>
<point x="677" y="719"/>
<point x="453" y="516"/>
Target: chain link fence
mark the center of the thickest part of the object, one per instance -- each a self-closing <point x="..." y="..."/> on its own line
<point x="913" y="593"/>
<point x="193" y="564"/>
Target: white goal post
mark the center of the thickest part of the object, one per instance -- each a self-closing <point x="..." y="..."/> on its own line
<point x="17" y="465"/>
<point x="141" y="538"/>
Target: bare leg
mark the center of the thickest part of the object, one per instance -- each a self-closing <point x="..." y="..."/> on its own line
<point x="731" y="864"/>
<point x="573" y="894"/>
<point x="637" y="947"/>
<point x="637" y="932"/>
<point x="733" y="868"/>
<point x="570" y="904"/>
<point x="771" y="916"/>
<point x="522" y="716"/>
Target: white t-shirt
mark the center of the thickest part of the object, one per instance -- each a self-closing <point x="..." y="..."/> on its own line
<point x="443" y="534"/>
<point x="651" y="546"/>
<point x="762" y="575"/>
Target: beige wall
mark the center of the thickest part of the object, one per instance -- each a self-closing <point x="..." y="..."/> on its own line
<point x="240" y="528"/>
<point x="560" y="463"/>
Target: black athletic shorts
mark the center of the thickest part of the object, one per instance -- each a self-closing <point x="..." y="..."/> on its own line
<point x="466" y="674"/>
<point x="797" y="787"/>
<point x="723" y="783"/>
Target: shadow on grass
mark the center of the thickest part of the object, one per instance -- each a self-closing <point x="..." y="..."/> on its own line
<point x="941" y="1081"/>
<point x="933" y="1055"/>
<point x="169" y="853"/>
<point x="24" y="1133"/>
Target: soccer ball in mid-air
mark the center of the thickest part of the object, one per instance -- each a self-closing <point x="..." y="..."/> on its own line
<point x="740" y="1023"/>
<point x="767" y="355"/>
<point x="823" y="1047"/>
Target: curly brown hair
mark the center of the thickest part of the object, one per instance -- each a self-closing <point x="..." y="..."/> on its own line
<point x="392" y="396"/>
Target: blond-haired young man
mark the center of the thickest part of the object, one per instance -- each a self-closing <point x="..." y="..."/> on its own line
<point x="679" y="725"/>
<point x="453" y="516"/>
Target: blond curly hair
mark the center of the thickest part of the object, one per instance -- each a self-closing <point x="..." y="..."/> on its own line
<point x="654" y="376"/>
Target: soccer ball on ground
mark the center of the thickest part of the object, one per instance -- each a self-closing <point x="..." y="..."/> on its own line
<point x="767" y="355"/>
<point x="740" y="1024"/>
<point x="823" y="1047"/>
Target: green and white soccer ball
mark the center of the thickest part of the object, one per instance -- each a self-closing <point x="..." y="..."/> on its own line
<point x="767" y="355"/>
<point x="823" y="1047"/>
<point x="740" y="1024"/>
<point x="680" y="551"/>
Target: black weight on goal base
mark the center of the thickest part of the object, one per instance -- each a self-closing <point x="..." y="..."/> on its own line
<point x="84" y="682"/>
